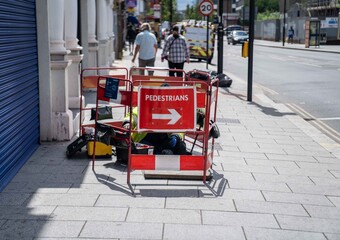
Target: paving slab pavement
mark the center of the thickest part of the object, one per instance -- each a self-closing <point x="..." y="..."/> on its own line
<point x="275" y="177"/>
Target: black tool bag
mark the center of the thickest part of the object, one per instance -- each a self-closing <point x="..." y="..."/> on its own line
<point x="114" y="137"/>
<point x="224" y="80"/>
<point x="103" y="113"/>
<point x="122" y="153"/>
<point x="201" y="74"/>
<point x="111" y="136"/>
<point x="77" y="145"/>
<point x="214" y="130"/>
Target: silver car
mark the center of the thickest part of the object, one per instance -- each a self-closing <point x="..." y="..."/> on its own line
<point x="237" y="37"/>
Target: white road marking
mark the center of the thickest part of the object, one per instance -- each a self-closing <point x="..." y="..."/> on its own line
<point x="309" y="64"/>
<point x="328" y="119"/>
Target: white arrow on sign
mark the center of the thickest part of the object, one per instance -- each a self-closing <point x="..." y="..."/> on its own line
<point x="174" y="116"/>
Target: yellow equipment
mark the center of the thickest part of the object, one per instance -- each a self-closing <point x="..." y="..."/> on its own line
<point x="197" y="41"/>
<point x="245" y="49"/>
<point x="102" y="150"/>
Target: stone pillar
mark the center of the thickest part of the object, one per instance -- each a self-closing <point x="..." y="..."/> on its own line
<point x="102" y="33"/>
<point x="115" y="32"/>
<point x="71" y="21"/>
<point x="62" y="117"/>
<point x="110" y="31"/>
<point x="45" y="84"/>
<point x="92" y="41"/>
<point x="71" y="26"/>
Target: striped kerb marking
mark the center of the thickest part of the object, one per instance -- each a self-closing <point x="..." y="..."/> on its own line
<point x="168" y="162"/>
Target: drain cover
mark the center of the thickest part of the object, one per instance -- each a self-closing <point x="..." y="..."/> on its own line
<point x="228" y="120"/>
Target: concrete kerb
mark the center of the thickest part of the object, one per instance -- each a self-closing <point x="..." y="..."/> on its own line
<point x="323" y="48"/>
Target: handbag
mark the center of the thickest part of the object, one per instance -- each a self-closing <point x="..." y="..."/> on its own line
<point x="103" y="113"/>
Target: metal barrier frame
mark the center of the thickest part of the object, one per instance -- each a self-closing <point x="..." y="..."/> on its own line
<point x="210" y="95"/>
<point x="207" y="96"/>
<point x="124" y="102"/>
<point x="92" y="84"/>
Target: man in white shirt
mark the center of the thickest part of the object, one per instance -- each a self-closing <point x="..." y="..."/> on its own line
<point x="146" y="46"/>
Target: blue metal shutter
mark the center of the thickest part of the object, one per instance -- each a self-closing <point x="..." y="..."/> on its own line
<point x="19" y="92"/>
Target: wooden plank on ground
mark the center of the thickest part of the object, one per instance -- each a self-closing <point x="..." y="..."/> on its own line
<point x="177" y="175"/>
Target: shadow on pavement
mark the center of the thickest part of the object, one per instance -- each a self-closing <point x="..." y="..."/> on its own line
<point x="271" y="111"/>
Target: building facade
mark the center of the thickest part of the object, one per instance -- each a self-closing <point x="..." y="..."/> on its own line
<point x="230" y="15"/>
<point x="44" y="44"/>
<point x="295" y="13"/>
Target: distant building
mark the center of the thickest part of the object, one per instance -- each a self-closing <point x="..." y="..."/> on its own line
<point x="230" y="16"/>
<point x="323" y="8"/>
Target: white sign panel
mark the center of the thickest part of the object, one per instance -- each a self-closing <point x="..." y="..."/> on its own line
<point x="329" y="23"/>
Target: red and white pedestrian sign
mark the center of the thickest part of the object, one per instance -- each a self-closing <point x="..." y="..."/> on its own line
<point x="206" y="7"/>
<point x="161" y="109"/>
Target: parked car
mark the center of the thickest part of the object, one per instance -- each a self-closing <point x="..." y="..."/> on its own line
<point x="231" y="28"/>
<point x="237" y="37"/>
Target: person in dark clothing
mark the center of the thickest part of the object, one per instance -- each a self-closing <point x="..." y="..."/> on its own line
<point x="131" y="37"/>
<point x="176" y="51"/>
<point x="290" y="35"/>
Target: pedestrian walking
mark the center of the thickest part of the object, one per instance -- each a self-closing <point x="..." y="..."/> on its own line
<point x="176" y="51"/>
<point x="183" y="31"/>
<point x="290" y="35"/>
<point x="146" y="47"/>
<point x="130" y="37"/>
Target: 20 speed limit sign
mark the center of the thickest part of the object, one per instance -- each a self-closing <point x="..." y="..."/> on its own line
<point x="206" y="7"/>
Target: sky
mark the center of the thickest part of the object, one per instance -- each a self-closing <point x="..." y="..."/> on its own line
<point x="182" y="4"/>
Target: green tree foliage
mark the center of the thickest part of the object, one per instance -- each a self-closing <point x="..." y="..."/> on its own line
<point x="191" y="12"/>
<point x="267" y="5"/>
<point x="267" y="9"/>
<point x="268" y="15"/>
<point x="165" y="9"/>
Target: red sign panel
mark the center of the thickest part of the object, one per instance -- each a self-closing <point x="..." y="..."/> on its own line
<point x="167" y="108"/>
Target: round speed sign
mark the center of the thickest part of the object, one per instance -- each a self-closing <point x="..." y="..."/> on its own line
<point x="206" y="7"/>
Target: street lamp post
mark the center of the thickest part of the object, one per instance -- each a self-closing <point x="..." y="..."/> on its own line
<point x="243" y="16"/>
<point x="251" y="49"/>
<point x="220" y="38"/>
<point x="170" y="14"/>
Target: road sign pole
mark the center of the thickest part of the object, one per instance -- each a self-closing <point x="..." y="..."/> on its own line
<point x="207" y="42"/>
<point x="206" y="8"/>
